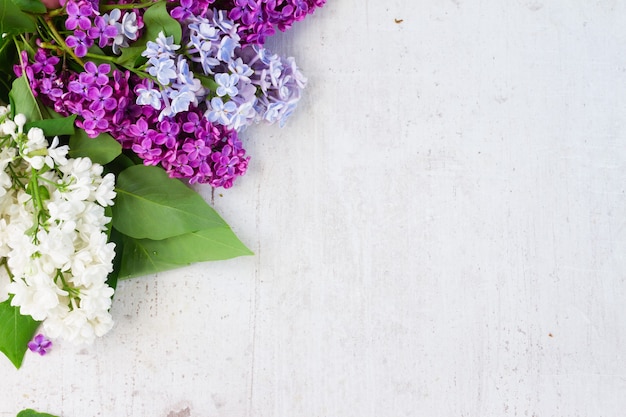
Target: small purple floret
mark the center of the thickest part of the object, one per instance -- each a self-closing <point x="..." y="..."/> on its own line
<point x="40" y="344"/>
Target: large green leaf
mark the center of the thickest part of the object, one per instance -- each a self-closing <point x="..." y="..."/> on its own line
<point x="15" y="332"/>
<point x="145" y="256"/>
<point x="8" y="55"/>
<point x="157" y="19"/>
<point x="13" y="20"/>
<point x="32" y="413"/>
<point x="30" y="6"/>
<point x="151" y="205"/>
<point x="55" y="126"/>
<point x="101" y="149"/>
<point x="23" y="101"/>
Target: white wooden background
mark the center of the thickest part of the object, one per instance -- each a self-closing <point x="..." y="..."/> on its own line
<point x="440" y="230"/>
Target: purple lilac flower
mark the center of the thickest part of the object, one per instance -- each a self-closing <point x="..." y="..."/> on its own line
<point x="257" y="19"/>
<point x="183" y="11"/>
<point x="80" y="42"/>
<point x="102" y="31"/>
<point x="40" y="344"/>
<point x="79" y="15"/>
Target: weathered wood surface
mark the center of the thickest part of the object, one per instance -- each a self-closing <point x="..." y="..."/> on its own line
<point x="440" y="230"/>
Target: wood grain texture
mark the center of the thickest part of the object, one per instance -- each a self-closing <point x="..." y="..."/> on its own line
<point x="440" y="230"/>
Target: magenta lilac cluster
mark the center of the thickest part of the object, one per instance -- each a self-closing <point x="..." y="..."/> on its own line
<point x="186" y="146"/>
<point x="258" y="19"/>
<point x="183" y="107"/>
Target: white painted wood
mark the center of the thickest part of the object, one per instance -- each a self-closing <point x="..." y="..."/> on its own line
<point x="440" y="230"/>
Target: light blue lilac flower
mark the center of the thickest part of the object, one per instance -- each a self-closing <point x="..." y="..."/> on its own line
<point x="149" y="96"/>
<point x="227" y="84"/>
<point x="163" y="68"/>
<point x="226" y="48"/>
<point x="220" y="112"/>
<point x="182" y="99"/>
<point x="163" y="46"/>
<point x="243" y="70"/>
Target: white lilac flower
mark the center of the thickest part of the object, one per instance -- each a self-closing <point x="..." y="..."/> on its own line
<point x="5" y="280"/>
<point x="163" y="46"/>
<point x="149" y="96"/>
<point x="55" y="246"/>
<point x="127" y="29"/>
<point x="129" y="26"/>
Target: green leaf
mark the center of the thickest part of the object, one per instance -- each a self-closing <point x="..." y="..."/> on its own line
<point x="23" y="101"/>
<point x="145" y="256"/>
<point x="32" y="413"/>
<point x="13" y="20"/>
<point x="131" y="55"/>
<point x="8" y="55"/>
<point x="15" y="332"/>
<point x="30" y="6"/>
<point x="151" y="205"/>
<point x="55" y="127"/>
<point x="101" y="149"/>
<point x="157" y="19"/>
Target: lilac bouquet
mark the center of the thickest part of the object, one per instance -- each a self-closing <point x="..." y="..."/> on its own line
<point x="108" y="110"/>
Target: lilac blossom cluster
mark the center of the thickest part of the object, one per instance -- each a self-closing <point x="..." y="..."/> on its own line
<point x="184" y="104"/>
<point x="114" y="29"/>
<point x="104" y="99"/>
<point x="258" y="19"/>
<point x="249" y="83"/>
<point x="53" y="241"/>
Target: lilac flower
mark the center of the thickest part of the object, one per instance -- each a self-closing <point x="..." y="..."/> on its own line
<point x="243" y="70"/>
<point x="227" y="84"/>
<point x="101" y="98"/>
<point x="226" y="48"/>
<point x="183" y="11"/>
<point x="130" y="26"/>
<point x="79" y="14"/>
<point x="47" y="88"/>
<point x="164" y="68"/>
<point x="162" y="47"/>
<point x="40" y="344"/>
<point x="44" y="63"/>
<point x="149" y="96"/>
<point x="102" y="31"/>
<point x="193" y="123"/>
<point x="167" y="133"/>
<point x="219" y="111"/>
<point x="182" y="99"/>
<point x="196" y="149"/>
<point x="100" y="72"/>
<point x="82" y="85"/>
<point x="80" y="42"/>
<point x="94" y="122"/>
